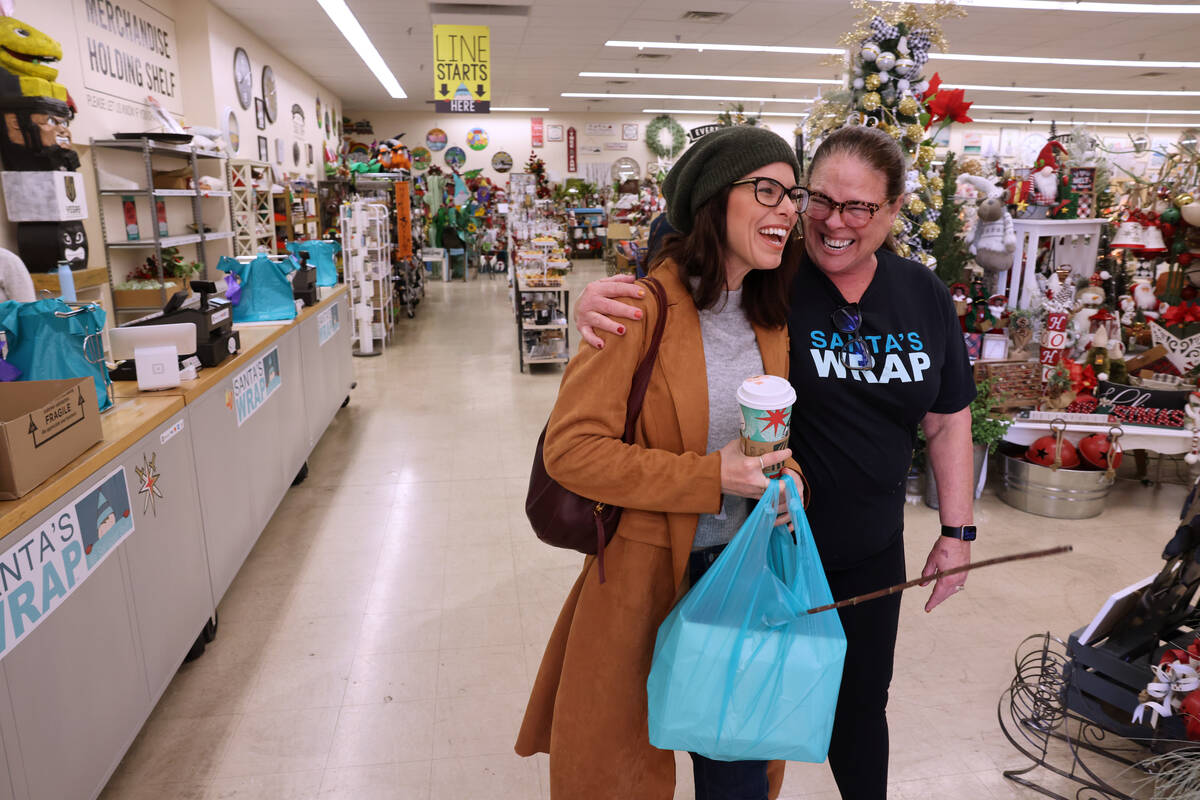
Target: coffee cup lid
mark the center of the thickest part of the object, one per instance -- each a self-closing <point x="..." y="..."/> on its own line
<point x="766" y="392"/>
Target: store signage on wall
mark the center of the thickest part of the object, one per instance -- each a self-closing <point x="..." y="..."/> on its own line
<point x="38" y="573"/>
<point x="328" y="323"/>
<point x="599" y="129"/>
<point x="616" y="145"/>
<point x="536" y="132"/>
<point x="127" y="50"/>
<point x="462" y="67"/>
<point x="572" y="154"/>
<point x="254" y="385"/>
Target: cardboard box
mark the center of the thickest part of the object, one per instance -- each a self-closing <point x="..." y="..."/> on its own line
<point x="44" y="196"/>
<point x="174" y="179"/>
<point x="44" y="425"/>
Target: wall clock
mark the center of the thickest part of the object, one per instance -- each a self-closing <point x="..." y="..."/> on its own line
<point x="268" y="90"/>
<point x="243" y="79"/>
<point x="232" y="131"/>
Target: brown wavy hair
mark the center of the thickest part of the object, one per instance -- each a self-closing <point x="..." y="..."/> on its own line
<point x="701" y="254"/>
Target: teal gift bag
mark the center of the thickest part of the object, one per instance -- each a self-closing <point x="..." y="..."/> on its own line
<point x="266" y="289"/>
<point x="320" y="255"/>
<point x="741" y="671"/>
<point x="49" y="340"/>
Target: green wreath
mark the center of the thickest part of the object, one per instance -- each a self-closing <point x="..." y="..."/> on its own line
<point x="654" y="142"/>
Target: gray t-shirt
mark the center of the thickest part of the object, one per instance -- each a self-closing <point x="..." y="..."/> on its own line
<point x="730" y="356"/>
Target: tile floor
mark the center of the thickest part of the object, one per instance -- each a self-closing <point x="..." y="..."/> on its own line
<point x="380" y="640"/>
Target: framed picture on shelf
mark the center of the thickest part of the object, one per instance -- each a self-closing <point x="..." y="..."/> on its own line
<point x="264" y="153"/>
<point x="260" y="114"/>
<point x="995" y="347"/>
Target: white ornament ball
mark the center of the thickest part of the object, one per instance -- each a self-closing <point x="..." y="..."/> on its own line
<point x="858" y="83"/>
<point x="904" y="66"/>
<point x="920" y="87"/>
<point x="870" y="51"/>
<point x="903" y="85"/>
<point x="1191" y="458"/>
<point x="884" y="76"/>
<point x="1102" y="376"/>
<point x="886" y="60"/>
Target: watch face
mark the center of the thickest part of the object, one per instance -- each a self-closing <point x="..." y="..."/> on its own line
<point x="268" y="88"/>
<point x="243" y="79"/>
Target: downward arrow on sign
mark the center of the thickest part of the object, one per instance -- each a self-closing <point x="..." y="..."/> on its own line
<point x="445" y="90"/>
<point x="479" y="90"/>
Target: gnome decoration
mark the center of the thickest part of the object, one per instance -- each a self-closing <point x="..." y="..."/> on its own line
<point x="993" y="240"/>
<point x="1045" y="173"/>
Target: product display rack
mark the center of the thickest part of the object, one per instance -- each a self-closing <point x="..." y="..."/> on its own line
<point x="542" y="312"/>
<point x="587" y="231"/>
<point x="149" y="149"/>
<point x="367" y="261"/>
<point x="253" y="213"/>
<point x="298" y="211"/>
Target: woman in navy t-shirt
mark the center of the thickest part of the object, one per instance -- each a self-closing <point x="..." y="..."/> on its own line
<point x="876" y="350"/>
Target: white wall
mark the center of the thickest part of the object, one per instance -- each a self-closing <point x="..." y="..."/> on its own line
<point x="511" y="132"/>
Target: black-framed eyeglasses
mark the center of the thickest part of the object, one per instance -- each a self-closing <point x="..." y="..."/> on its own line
<point x="855" y="213"/>
<point x="855" y="352"/>
<point x="770" y="192"/>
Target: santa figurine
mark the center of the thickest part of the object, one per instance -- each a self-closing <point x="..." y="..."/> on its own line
<point x="1045" y="173"/>
<point x="1144" y="297"/>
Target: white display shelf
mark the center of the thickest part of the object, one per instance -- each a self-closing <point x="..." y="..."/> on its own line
<point x="1168" y="441"/>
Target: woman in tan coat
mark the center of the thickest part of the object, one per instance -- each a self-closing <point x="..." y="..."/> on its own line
<point x="685" y="485"/>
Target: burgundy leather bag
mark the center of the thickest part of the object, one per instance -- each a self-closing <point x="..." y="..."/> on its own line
<point x="564" y="519"/>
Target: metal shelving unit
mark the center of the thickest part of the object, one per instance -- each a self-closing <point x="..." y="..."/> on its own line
<point x="539" y="348"/>
<point x="367" y="261"/>
<point x="252" y="210"/>
<point x="149" y="150"/>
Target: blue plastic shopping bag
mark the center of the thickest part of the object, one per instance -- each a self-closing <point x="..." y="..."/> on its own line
<point x="320" y="255"/>
<point x="50" y="340"/>
<point x="741" y="671"/>
<point x="266" y="292"/>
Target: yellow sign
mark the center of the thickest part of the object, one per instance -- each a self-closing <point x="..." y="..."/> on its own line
<point x="462" y="67"/>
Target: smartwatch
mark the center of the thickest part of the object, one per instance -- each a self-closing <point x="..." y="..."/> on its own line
<point x="964" y="533"/>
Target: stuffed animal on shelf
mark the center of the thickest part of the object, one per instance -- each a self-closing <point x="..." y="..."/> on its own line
<point x="1045" y="172"/>
<point x="993" y="241"/>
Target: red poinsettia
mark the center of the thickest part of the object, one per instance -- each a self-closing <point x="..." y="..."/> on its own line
<point x="1181" y="314"/>
<point x="934" y="83"/>
<point x="949" y="104"/>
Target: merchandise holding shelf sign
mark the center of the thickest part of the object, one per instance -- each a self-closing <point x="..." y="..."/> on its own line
<point x="477" y="139"/>
<point x="572" y="151"/>
<point x="456" y="157"/>
<point x="421" y="158"/>
<point x="502" y="162"/>
<point x="462" y="66"/>
<point x="436" y="139"/>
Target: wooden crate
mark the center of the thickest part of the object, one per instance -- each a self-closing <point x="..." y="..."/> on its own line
<point x="1018" y="383"/>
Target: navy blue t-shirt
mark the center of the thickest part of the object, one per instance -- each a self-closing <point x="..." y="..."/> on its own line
<point x="853" y="432"/>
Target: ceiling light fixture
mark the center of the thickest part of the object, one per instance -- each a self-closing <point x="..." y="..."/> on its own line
<point x="1036" y="109"/>
<point x="720" y="98"/>
<point x="693" y="113"/>
<point x="348" y="24"/>
<point x="1071" y="5"/>
<point x="519" y="108"/>
<point x="683" y="77"/>
<point x="1071" y="62"/>
<point x="1133" y="125"/>
<point x="1028" y="89"/>
<point x="738" y="48"/>
<point x="756" y="48"/>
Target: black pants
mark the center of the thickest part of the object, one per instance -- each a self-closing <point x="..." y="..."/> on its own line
<point x="858" y="750"/>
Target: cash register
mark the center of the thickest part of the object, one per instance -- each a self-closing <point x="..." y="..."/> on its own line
<point x="213" y="317"/>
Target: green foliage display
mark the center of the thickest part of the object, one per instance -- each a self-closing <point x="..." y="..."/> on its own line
<point x="949" y="248"/>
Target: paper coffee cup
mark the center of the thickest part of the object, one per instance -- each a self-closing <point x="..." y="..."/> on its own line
<point x="766" y="402"/>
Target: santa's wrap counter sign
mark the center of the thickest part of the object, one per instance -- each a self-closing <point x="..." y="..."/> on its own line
<point x="328" y="323"/>
<point x="40" y="571"/>
<point x="254" y="385"/>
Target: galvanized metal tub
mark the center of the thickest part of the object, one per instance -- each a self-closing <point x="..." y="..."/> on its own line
<point x="1061" y="494"/>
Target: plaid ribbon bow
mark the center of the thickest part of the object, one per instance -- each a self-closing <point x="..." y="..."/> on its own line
<point x="881" y="30"/>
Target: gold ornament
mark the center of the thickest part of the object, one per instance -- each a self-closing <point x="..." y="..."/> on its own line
<point x="896" y="132"/>
<point x="936" y="183"/>
<point x="923" y="179"/>
<point x="898" y="227"/>
<point x="1184" y="199"/>
<point x="871" y="101"/>
<point x="916" y="205"/>
<point x="909" y="106"/>
<point x="925" y="157"/>
<point x="930" y="231"/>
<point x="936" y="202"/>
<point x="903" y="250"/>
<point x="872" y="82"/>
<point x="915" y="132"/>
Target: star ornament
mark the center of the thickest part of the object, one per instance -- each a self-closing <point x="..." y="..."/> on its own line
<point x="774" y="420"/>
<point x="148" y="476"/>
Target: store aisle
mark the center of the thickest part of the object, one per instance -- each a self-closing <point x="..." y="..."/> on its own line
<point x="381" y="639"/>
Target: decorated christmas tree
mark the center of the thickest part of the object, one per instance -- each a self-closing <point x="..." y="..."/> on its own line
<point x="949" y="248"/>
<point x="889" y="49"/>
<point x="537" y="167"/>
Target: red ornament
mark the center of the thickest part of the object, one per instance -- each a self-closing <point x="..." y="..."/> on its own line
<point x="1191" y="710"/>
<point x="1185" y="259"/>
<point x="1042" y="453"/>
<point x="1094" y="451"/>
<point x="1168" y="230"/>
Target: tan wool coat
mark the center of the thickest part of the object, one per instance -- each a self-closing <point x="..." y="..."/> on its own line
<point x="588" y="706"/>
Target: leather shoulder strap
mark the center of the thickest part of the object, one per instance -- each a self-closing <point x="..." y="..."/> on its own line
<point x="641" y="378"/>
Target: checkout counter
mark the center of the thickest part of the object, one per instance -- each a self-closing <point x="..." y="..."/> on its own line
<point x="205" y="466"/>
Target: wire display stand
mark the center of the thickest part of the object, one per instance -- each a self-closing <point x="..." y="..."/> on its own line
<point x="366" y="257"/>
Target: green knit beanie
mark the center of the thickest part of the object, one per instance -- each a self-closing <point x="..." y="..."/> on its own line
<point x="717" y="160"/>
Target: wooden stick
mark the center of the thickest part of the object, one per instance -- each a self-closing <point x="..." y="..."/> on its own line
<point x="900" y="587"/>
